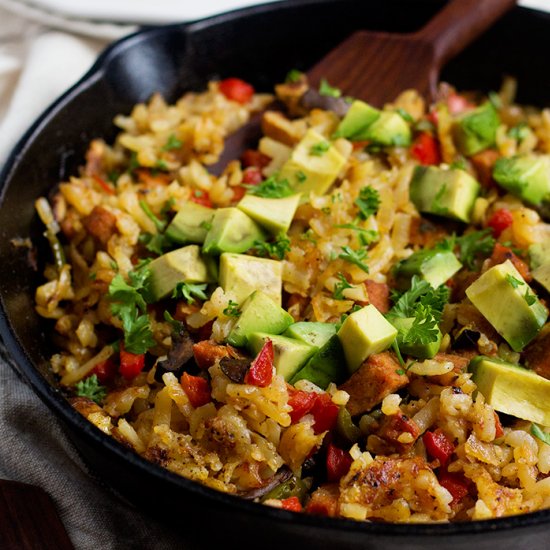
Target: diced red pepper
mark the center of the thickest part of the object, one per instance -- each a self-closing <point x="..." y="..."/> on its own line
<point x="338" y="462"/>
<point x="425" y="149"/>
<point x="131" y="364"/>
<point x="196" y="388"/>
<point x="456" y="484"/>
<point x="236" y="89"/>
<point x="254" y="158"/>
<point x="292" y="504"/>
<point x="104" y="185"/>
<point x="433" y="117"/>
<point x="238" y="193"/>
<point x="499" y="431"/>
<point x="301" y="403"/>
<point x="252" y="176"/>
<point x="325" y="413"/>
<point x="201" y="197"/>
<point x="500" y="220"/>
<point x="260" y="372"/>
<point x="105" y="371"/>
<point x="439" y="446"/>
<point x="458" y="104"/>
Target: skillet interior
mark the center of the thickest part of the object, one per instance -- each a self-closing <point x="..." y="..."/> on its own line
<point x="182" y="57"/>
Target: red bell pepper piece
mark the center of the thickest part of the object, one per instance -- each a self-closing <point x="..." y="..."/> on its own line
<point x="238" y="193"/>
<point x="499" y="431"/>
<point x="104" y="185"/>
<point x="260" y="372"/>
<point x="252" y="176"/>
<point x="499" y="221"/>
<point x="425" y="149"/>
<point x="456" y="484"/>
<point x="236" y="89"/>
<point x="196" y="388"/>
<point x="439" y="446"/>
<point x="301" y="403"/>
<point x="458" y="104"/>
<point x="325" y="413"/>
<point x="131" y="364"/>
<point x="253" y="158"/>
<point x="198" y="196"/>
<point x="292" y="504"/>
<point x="105" y="371"/>
<point x="338" y="462"/>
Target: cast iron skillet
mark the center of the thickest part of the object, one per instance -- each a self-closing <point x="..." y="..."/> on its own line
<point x="260" y="45"/>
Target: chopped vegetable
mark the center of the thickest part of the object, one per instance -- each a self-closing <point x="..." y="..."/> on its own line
<point x="325" y="413"/>
<point x="190" y="291"/>
<point x="131" y="364"/>
<point x="292" y="504"/>
<point x="326" y="89"/>
<point x="301" y="403"/>
<point x="500" y="220"/>
<point x="236" y="89"/>
<point x="368" y="202"/>
<point x="261" y="369"/>
<point x="271" y="188"/>
<point x="426" y="149"/>
<point x="338" y="462"/>
<point x="438" y="446"/>
<point x="90" y="388"/>
<point x="196" y="388"/>
<point x="276" y="249"/>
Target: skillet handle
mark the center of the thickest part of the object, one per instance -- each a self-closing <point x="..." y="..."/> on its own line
<point x="459" y="23"/>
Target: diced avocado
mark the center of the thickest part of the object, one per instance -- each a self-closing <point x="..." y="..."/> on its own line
<point x="539" y="254"/>
<point x="390" y="129"/>
<point x="181" y="265"/>
<point x="363" y="333"/>
<point x="511" y="389"/>
<point x="542" y="275"/>
<point x="313" y="165"/>
<point x="314" y="334"/>
<point x="231" y="231"/>
<point x="326" y="366"/>
<point x="359" y="116"/>
<point x="275" y="215"/>
<point x="526" y="176"/>
<point x="288" y="354"/>
<point x="509" y="304"/>
<point x="415" y="349"/>
<point x="241" y="275"/>
<point x="476" y="130"/>
<point x="449" y="193"/>
<point x="190" y="224"/>
<point x="259" y="313"/>
<point x="434" y="265"/>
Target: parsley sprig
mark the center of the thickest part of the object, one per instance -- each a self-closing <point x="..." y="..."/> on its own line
<point x="368" y="202"/>
<point x="271" y="188"/>
<point x="338" y="290"/>
<point x="355" y="257"/>
<point x="276" y="249"/>
<point x="327" y="90"/>
<point x="190" y="291"/>
<point x="474" y="245"/>
<point x="91" y="388"/>
<point x="232" y="309"/>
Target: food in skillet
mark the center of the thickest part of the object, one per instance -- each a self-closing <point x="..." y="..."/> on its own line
<point x="350" y="321"/>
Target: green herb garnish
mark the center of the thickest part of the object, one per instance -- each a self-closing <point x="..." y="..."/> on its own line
<point x="232" y="309"/>
<point x="276" y="249"/>
<point x="271" y="188"/>
<point x="355" y="257"/>
<point x="368" y="202"/>
<point x="91" y="389"/>
<point x="319" y="149"/>
<point x="472" y="245"/>
<point x="172" y="143"/>
<point x="327" y="90"/>
<point x="190" y="291"/>
<point x="338" y="290"/>
<point x="405" y="116"/>
<point x="293" y="76"/>
<point x="540" y="434"/>
<point x="513" y="281"/>
<point x="159" y="224"/>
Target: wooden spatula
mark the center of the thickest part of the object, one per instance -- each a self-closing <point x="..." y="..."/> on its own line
<point x="377" y="66"/>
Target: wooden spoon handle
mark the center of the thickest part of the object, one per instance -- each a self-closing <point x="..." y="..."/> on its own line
<point x="459" y="23"/>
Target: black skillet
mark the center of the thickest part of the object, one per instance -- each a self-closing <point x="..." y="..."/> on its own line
<point x="259" y="45"/>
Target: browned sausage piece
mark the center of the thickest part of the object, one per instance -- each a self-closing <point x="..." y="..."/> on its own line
<point x="100" y="223"/>
<point x="380" y="375"/>
<point x="379" y="295"/>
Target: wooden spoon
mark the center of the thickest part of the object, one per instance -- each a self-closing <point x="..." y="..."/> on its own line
<point x="377" y="66"/>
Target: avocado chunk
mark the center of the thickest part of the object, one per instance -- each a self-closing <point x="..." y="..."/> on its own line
<point x="181" y="265"/>
<point x="275" y="215"/>
<point x="526" y="176"/>
<point x="190" y="224"/>
<point x="326" y="366"/>
<point x="241" y="275"/>
<point x="476" y="130"/>
<point x="435" y="265"/>
<point x="231" y="231"/>
<point x="314" y="164"/>
<point x="259" y="313"/>
<point x="288" y="354"/>
<point x="359" y="116"/>
<point x="363" y="333"/>
<point x="542" y="275"/>
<point x="449" y="193"/>
<point x="414" y="349"/>
<point x="512" y="389"/>
<point x="390" y="129"/>
<point x="312" y="333"/>
<point x="509" y="304"/>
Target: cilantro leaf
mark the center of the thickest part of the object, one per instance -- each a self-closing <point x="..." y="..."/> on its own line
<point x="529" y="298"/>
<point x="90" y="388"/>
<point x="271" y="188"/>
<point x="190" y="291"/>
<point x="138" y="337"/>
<point x="327" y="90"/>
<point x="472" y="245"/>
<point x="174" y="323"/>
<point x="424" y="329"/>
<point x="319" y="149"/>
<point x="172" y="143"/>
<point x="368" y="202"/>
<point x="540" y="434"/>
<point x="355" y="257"/>
<point x="293" y="76"/>
<point x="159" y="224"/>
<point x="157" y="243"/>
<point x="366" y="236"/>
<point x="338" y="291"/>
<point x="513" y="281"/>
<point x="519" y="132"/>
<point x="232" y="309"/>
<point x="276" y="249"/>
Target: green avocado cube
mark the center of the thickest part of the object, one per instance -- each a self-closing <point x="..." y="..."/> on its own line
<point x="512" y="389"/>
<point x="312" y="333"/>
<point x="390" y="129"/>
<point x="526" y="176"/>
<point x="450" y="193"/>
<point x="539" y="254"/>
<point x="326" y="366"/>
<point x="241" y="275"/>
<point x="364" y="333"/>
<point x="259" y="313"/>
<point x="474" y="131"/>
<point x="288" y="354"/>
<point x="182" y="265"/>
<point x="542" y="275"/>
<point x="231" y="231"/>
<point x="359" y="116"/>
<point x="434" y="265"/>
<point x="414" y="349"/>
<point x="190" y="224"/>
<point x="508" y="303"/>
<point x="314" y="164"/>
<point x="275" y="215"/>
